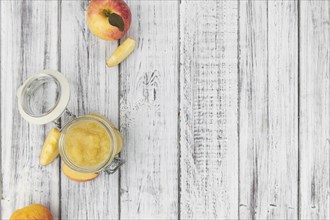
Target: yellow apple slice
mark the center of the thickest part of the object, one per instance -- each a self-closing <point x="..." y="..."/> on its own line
<point x="77" y="176"/>
<point x="125" y="49"/>
<point x="50" y="148"/>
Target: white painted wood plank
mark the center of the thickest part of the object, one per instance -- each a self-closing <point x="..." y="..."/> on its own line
<point x="283" y="110"/>
<point x="268" y="110"/>
<point x="208" y="116"/>
<point x="29" y="36"/>
<point x="253" y="124"/>
<point x="94" y="88"/>
<point x="148" y="113"/>
<point x="314" y="110"/>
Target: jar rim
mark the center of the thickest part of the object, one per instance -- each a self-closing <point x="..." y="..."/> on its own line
<point x="76" y="167"/>
<point x="34" y="83"/>
<point x="62" y="87"/>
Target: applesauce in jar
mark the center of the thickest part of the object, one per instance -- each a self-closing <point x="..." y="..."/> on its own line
<point x="89" y="143"/>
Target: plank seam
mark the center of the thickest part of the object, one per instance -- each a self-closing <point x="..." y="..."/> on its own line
<point x="267" y="100"/>
<point x="119" y="155"/>
<point x="238" y="108"/>
<point x="299" y="153"/>
<point x="59" y="66"/>
<point x="179" y="110"/>
<point x="1" y="179"/>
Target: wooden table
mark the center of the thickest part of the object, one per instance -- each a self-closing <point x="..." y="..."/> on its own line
<point x="224" y="107"/>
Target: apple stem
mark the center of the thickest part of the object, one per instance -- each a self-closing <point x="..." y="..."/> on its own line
<point x="107" y="12"/>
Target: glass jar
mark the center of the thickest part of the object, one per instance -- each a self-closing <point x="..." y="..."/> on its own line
<point x="90" y="148"/>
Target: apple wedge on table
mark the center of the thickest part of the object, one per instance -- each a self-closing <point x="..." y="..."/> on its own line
<point x="77" y="176"/>
<point x="123" y="51"/>
<point x="50" y="148"/>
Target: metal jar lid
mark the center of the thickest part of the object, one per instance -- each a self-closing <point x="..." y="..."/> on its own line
<point x="43" y="97"/>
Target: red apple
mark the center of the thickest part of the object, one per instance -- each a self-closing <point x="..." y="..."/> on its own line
<point x="108" y="19"/>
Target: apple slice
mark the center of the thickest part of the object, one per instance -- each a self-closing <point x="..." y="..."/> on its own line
<point x="77" y="176"/>
<point x="50" y="148"/>
<point x="125" y="49"/>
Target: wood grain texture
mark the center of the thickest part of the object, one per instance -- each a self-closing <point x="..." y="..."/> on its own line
<point x="94" y="89"/>
<point x="208" y="110"/>
<point x="283" y="110"/>
<point x="148" y="113"/>
<point x="24" y="181"/>
<point x="314" y="110"/>
<point x="268" y="109"/>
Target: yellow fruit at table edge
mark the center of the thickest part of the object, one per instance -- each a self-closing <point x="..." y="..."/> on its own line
<point x="32" y="212"/>
<point x="50" y="148"/>
<point x="122" y="52"/>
